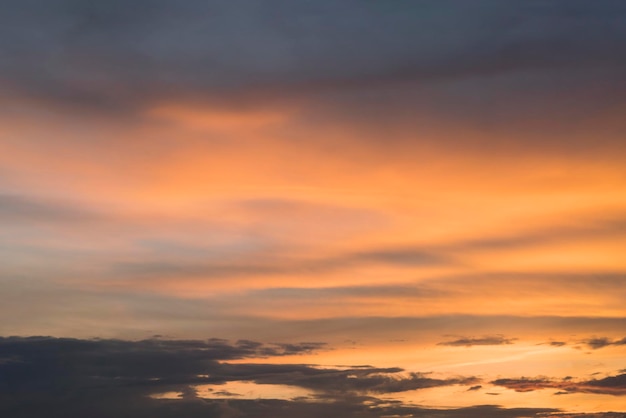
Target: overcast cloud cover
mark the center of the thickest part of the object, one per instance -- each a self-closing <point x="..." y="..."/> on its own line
<point x="114" y="54"/>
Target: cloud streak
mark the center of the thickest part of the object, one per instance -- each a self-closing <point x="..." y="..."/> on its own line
<point x="596" y="343"/>
<point x="611" y="385"/>
<point x="486" y="340"/>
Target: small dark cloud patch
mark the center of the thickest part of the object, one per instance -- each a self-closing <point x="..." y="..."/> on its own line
<point x="471" y="341"/>
<point x="292" y="349"/>
<point x="611" y="385"/>
<point x="474" y="388"/>
<point x="596" y="343"/>
<point x="524" y="384"/>
<point x="557" y="343"/>
<point x="587" y="415"/>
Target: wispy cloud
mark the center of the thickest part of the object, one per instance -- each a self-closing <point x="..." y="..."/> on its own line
<point x="611" y="385"/>
<point x="472" y="341"/>
<point x="596" y="343"/>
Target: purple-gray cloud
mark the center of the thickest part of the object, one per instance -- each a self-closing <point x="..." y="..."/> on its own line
<point x="596" y="343"/>
<point x="115" y="55"/>
<point x="486" y="340"/>
<point x="62" y="377"/>
<point x="611" y="385"/>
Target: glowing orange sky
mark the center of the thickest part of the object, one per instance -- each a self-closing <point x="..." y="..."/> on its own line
<point x="385" y="215"/>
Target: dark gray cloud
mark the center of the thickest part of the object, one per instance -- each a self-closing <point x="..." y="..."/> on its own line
<point x="161" y="363"/>
<point x="589" y="415"/>
<point x="370" y="380"/>
<point x="611" y="385"/>
<point x="350" y="407"/>
<point x="58" y="365"/>
<point x="601" y="342"/>
<point x="111" y="54"/>
<point x="62" y="377"/>
<point x="486" y="340"/>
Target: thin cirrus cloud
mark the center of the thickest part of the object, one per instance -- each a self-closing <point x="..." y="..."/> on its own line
<point x="471" y="341"/>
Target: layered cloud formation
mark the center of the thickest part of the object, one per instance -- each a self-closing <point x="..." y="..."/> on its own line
<point x="436" y="189"/>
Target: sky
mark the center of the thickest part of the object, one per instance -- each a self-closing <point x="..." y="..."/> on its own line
<point x="294" y="208"/>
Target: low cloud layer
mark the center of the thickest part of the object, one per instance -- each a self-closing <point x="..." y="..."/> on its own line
<point x="64" y="377"/>
<point x="611" y="385"/>
<point x="70" y="378"/>
<point x="162" y="363"/>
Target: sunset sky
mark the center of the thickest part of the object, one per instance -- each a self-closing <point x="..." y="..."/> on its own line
<point x="329" y="208"/>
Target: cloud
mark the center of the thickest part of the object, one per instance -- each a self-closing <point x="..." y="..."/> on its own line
<point x="368" y="408"/>
<point x="286" y="215"/>
<point x="486" y="340"/>
<point x="596" y="343"/>
<point x="525" y="385"/>
<point x="71" y="377"/>
<point x="162" y="363"/>
<point x="370" y="381"/>
<point x="53" y="364"/>
<point x="270" y="266"/>
<point x="587" y="228"/>
<point x="611" y="385"/>
<point x="112" y="54"/>
<point x="588" y="415"/>
<point x="18" y="208"/>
